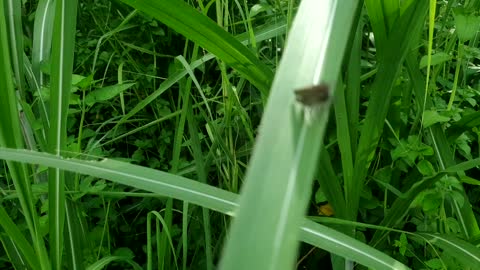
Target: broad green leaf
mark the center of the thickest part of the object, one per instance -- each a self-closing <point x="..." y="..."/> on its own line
<point x="431" y="201"/>
<point x="106" y="93"/>
<point x="437" y="59"/>
<point x="467" y="25"/>
<point x="433" y="117"/>
<point x="435" y="264"/>
<point x="425" y="168"/>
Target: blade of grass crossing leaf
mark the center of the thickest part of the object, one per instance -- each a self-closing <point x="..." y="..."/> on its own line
<point x="180" y="188"/>
<point x="187" y="111"/>
<point x="331" y="187"/>
<point x="351" y="249"/>
<point x="61" y="76"/>
<point x="463" y="251"/>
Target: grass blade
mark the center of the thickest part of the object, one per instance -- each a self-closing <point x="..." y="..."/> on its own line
<point x="278" y="181"/>
<point x="354" y="250"/>
<point x="61" y="77"/>
<point x="178" y="187"/>
<point x="464" y="252"/>
<point x="10" y="136"/>
<point x="199" y="28"/>
<point x="23" y="249"/>
<point x="42" y="38"/>
<point x="14" y="10"/>
<point x="408" y="25"/>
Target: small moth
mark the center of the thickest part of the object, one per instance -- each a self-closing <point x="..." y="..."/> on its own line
<point x="313" y="95"/>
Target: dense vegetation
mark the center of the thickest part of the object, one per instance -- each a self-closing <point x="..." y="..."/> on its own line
<point x="141" y="117"/>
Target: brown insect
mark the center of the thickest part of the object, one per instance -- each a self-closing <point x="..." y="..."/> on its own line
<point x="313" y="95"/>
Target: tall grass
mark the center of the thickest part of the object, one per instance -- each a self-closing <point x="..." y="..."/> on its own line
<point x="211" y="130"/>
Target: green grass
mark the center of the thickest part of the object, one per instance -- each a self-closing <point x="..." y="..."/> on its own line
<point x="167" y="135"/>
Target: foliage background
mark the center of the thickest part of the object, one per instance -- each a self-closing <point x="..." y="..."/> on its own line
<point x="181" y="87"/>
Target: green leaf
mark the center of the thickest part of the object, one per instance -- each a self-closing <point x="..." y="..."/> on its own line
<point x="437" y="59"/>
<point x="434" y="264"/>
<point x="402" y="244"/>
<point x="180" y="188"/>
<point x="258" y="8"/>
<point x="425" y="168"/>
<point x="432" y="117"/>
<point x="467" y="25"/>
<point x="320" y="196"/>
<point x="469" y="180"/>
<point x="106" y="93"/>
<point x="431" y="201"/>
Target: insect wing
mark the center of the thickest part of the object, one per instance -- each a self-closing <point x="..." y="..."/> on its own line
<point x="313" y="95"/>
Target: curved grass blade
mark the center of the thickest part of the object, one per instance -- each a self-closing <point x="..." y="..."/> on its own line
<point x="195" y="26"/>
<point x="181" y="188"/>
<point x="10" y="136"/>
<point x="466" y="253"/>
